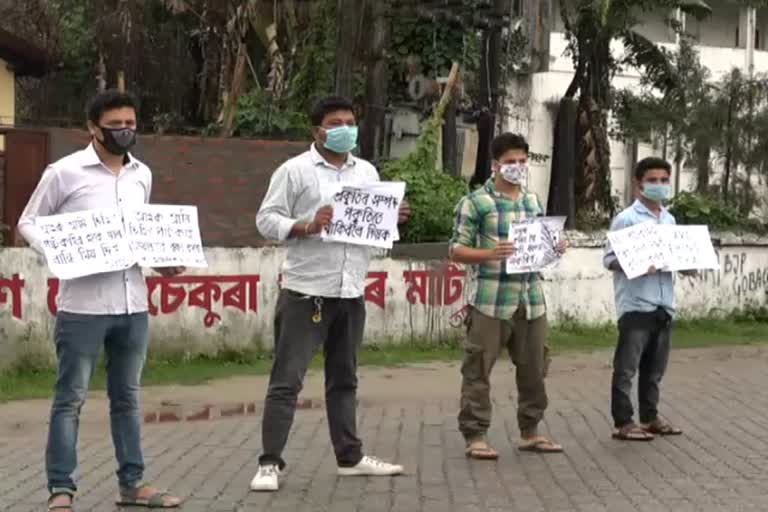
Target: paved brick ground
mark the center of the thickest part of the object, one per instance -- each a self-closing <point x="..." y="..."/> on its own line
<point x="720" y="464"/>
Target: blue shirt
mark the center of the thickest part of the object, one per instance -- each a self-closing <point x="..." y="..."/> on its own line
<point x="648" y="292"/>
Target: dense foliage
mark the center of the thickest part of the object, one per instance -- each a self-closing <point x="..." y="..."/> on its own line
<point x="433" y="194"/>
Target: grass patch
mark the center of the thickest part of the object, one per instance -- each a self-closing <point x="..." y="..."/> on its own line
<point x="29" y="383"/>
<point x="24" y="383"/>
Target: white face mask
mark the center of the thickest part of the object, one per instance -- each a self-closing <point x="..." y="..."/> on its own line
<point x="516" y="174"/>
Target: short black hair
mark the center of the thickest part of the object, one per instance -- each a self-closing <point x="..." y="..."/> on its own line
<point x="652" y="162"/>
<point x="110" y="100"/>
<point x="506" y="142"/>
<point x="327" y="105"/>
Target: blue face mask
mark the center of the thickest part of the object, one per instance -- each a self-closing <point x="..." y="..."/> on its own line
<point x="341" y="140"/>
<point x="657" y="191"/>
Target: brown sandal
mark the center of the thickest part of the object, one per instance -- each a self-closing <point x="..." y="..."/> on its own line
<point x="479" y="450"/>
<point x="632" y="432"/>
<point x="539" y="445"/>
<point x="63" y="507"/>
<point x="131" y="497"/>
<point x="661" y="428"/>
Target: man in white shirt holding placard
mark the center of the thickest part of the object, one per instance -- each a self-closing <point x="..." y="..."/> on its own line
<point x="321" y="302"/>
<point x="107" y="309"/>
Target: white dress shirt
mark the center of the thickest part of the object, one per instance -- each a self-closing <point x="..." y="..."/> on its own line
<point x="312" y="266"/>
<point x="78" y="182"/>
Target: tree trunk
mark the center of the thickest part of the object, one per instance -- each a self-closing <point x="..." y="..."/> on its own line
<point x="349" y="16"/>
<point x="450" y="150"/>
<point x="376" y="99"/>
<point x="728" y="148"/>
<point x="593" y="190"/>
<point x="678" y="162"/>
<point x="701" y="152"/>
<point x="236" y="89"/>
<point x="489" y="95"/>
<point x="538" y="14"/>
<point x="561" y="184"/>
<point x="262" y="17"/>
<point x="214" y="28"/>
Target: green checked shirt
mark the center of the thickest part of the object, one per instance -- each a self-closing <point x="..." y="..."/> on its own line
<point x="482" y="219"/>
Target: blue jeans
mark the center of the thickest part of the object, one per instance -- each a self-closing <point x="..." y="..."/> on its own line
<point x="79" y="339"/>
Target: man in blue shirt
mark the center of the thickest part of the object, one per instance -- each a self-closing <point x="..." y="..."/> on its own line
<point x="645" y="307"/>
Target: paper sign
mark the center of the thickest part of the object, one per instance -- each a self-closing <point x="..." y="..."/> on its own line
<point x="690" y="247"/>
<point x="366" y="214"/>
<point x="663" y="246"/>
<point x="164" y="235"/>
<point x="108" y="240"/>
<point x="535" y="243"/>
<point x="84" y="243"/>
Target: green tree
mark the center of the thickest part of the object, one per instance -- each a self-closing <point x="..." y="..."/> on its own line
<point x="679" y="115"/>
<point x="590" y="27"/>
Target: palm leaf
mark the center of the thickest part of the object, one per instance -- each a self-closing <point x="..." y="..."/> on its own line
<point x="603" y="8"/>
<point x="643" y="53"/>
<point x="696" y="8"/>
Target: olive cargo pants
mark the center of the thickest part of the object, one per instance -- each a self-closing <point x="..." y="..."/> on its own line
<point x="526" y="343"/>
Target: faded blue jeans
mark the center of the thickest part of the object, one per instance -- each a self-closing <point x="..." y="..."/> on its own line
<point x="79" y="339"/>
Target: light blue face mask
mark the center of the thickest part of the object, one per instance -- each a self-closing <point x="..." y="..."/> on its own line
<point x="342" y="139"/>
<point x="657" y="191"/>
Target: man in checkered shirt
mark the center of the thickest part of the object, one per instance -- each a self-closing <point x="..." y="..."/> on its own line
<point x="506" y="309"/>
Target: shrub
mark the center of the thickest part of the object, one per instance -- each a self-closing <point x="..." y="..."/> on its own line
<point x="432" y="193"/>
<point x="694" y="208"/>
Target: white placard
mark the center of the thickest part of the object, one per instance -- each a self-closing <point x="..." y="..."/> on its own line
<point x="84" y="243"/>
<point x="535" y="243"/>
<point x="690" y="248"/>
<point x="663" y="246"/>
<point x="365" y="214"/>
<point x="107" y="240"/>
<point x="164" y="235"/>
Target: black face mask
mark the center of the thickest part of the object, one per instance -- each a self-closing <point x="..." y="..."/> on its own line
<point x="118" y="140"/>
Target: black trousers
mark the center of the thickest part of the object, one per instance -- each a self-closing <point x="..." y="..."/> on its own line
<point x="302" y="324"/>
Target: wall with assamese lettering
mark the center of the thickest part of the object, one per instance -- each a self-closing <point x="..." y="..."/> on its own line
<point x="230" y="305"/>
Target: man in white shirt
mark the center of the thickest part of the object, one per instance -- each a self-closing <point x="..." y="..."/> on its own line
<point x="108" y="309"/>
<point x="321" y="302"/>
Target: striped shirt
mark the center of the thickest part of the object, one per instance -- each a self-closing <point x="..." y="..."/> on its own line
<point x="482" y="218"/>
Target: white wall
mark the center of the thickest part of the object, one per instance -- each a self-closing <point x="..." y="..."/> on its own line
<point x="580" y="289"/>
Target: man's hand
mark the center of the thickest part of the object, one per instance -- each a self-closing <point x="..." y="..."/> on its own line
<point x="404" y="213"/>
<point x="562" y="246"/>
<point x="615" y="266"/>
<point x="323" y="217"/>
<point x="503" y="251"/>
<point x="170" y="271"/>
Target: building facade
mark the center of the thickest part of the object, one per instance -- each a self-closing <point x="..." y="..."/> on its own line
<point x="720" y="39"/>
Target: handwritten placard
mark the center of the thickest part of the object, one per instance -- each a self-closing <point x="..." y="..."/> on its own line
<point x="108" y="240"/>
<point x="663" y="246"/>
<point x="84" y="243"/>
<point x="638" y="248"/>
<point x="690" y="248"/>
<point x="164" y="235"/>
<point x="535" y="243"/>
<point x="366" y="214"/>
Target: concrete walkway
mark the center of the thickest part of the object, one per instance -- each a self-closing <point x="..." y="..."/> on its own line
<point x="206" y="445"/>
